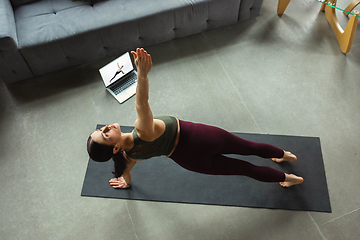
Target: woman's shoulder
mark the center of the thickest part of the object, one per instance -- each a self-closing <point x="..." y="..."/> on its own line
<point x="157" y="130"/>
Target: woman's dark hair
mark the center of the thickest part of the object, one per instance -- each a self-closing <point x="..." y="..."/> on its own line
<point x="102" y="153"/>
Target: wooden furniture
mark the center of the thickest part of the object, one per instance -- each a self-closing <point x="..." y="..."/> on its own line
<point x="344" y="37"/>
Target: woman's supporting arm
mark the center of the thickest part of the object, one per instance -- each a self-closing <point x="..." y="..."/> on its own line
<point x="125" y="180"/>
<point x="127" y="172"/>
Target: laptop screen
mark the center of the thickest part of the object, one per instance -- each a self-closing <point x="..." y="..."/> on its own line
<point x="116" y="69"/>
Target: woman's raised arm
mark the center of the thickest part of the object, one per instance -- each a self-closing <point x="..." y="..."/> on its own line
<point x="144" y="124"/>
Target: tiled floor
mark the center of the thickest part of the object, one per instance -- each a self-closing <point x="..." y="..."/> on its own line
<point x="278" y="75"/>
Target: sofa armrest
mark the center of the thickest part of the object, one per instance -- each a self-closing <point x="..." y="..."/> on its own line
<point x="13" y="65"/>
<point x="8" y="38"/>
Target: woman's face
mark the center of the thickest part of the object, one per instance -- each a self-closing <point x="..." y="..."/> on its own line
<point x="109" y="135"/>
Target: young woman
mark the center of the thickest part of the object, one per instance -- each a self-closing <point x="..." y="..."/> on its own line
<point x="196" y="147"/>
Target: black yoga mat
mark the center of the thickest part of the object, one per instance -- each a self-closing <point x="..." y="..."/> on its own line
<point x="161" y="179"/>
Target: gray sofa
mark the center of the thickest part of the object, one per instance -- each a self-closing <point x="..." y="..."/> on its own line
<point x="42" y="36"/>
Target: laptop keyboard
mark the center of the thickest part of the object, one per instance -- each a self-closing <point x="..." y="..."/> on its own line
<point x="124" y="84"/>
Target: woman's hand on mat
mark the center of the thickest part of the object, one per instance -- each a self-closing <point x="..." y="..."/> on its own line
<point x="118" y="183"/>
<point x="142" y="61"/>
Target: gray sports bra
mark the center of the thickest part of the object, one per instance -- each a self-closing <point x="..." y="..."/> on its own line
<point x="163" y="145"/>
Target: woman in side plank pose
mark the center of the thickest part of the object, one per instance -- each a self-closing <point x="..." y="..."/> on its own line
<point x="195" y="147"/>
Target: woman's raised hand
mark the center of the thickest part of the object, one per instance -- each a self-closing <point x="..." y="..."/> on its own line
<point x="118" y="183"/>
<point x="142" y="61"/>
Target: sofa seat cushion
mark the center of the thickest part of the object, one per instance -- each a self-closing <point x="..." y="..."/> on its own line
<point x="48" y="20"/>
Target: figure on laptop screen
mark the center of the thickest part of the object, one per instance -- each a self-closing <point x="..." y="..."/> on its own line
<point x="118" y="71"/>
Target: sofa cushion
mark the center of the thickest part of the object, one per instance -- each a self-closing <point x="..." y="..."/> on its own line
<point x="46" y="21"/>
<point x="56" y="33"/>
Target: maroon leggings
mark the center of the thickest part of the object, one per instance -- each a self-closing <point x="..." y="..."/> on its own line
<point x="200" y="149"/>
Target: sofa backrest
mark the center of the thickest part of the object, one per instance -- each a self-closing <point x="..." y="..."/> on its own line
<point x="16" y="3"/>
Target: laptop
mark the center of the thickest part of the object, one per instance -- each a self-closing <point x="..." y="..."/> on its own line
<point x="120" y="78"/>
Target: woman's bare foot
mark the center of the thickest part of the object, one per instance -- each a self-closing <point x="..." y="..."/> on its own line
<point x="288" y="156"/>
<point x="290" y="180"/>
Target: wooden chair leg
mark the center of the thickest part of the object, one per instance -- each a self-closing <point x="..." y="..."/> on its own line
<point x="282" y="5"/>
<point x="344" y="37"/>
